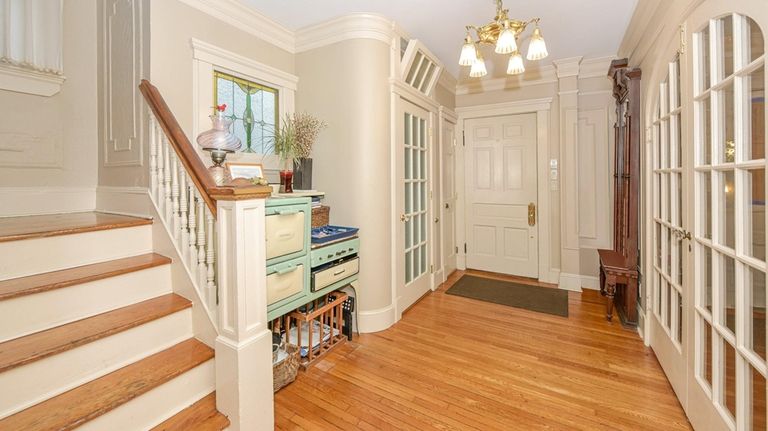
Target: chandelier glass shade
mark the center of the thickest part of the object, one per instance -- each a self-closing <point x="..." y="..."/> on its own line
<point x="504" y="34"/>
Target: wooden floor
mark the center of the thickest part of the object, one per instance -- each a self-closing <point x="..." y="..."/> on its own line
<point x="461" y="364"/>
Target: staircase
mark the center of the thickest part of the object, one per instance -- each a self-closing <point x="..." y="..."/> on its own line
<point x="91" y="334"/>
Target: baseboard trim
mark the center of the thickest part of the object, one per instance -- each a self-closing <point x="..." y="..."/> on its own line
<point x="376" y="320"/>
<point x="577" y="282"/>
<point x="24" y="201"/>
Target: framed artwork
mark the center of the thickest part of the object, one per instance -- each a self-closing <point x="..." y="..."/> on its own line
<point x="245" y="170"/>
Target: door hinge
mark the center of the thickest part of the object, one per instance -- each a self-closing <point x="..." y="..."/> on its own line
<point x="457" y="249"/>
<point x="431" y="269"/>
<point x="465" y="248"/>
<point x="463" y="139"/>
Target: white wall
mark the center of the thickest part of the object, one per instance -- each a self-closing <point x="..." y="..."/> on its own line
<point x="48" y="145"/>
<point x="589" y="165"/>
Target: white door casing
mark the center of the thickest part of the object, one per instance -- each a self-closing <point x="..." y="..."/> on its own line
<point x="501" y="186"/>
<point x="413" y="257"/>
<point x="449" y="198"/>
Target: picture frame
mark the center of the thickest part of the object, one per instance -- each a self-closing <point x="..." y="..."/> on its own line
<point x="245" y="170"/>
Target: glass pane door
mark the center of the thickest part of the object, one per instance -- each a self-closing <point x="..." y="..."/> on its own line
<point x="730" y="237"/>
<point x="415" y="148"/>
<point x="668" y="250"/>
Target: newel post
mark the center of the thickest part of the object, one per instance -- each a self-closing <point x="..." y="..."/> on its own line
<point x="244" y="345"/>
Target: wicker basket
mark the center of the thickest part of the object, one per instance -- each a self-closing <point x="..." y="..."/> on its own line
<point x="285" y="372"/>
<point x="321" y="216"/>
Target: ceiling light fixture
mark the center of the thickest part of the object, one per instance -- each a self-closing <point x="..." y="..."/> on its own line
<point x="504" y="33"/>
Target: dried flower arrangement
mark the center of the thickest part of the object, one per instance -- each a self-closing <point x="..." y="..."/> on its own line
<point x="297" y="135"/>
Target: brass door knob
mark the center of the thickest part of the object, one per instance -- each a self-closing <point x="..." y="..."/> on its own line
<point x="531" y="214"/>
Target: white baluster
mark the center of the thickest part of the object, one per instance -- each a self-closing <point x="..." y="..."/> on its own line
<point x="153" y="156"/>
<point x="210" y="260"/>
<point x="183" y="208"/>
<point x="160" y="193"/>
<point x="191" y="247"/>
<point x="201" y="270"/>
<point x="167" y="204"/>
<point x="175" y="219"/>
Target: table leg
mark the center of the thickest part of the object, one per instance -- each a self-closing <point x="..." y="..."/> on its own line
<point x="610" y="292"/>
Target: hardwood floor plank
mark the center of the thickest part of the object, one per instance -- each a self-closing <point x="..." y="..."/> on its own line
<point x="200" y="416"/>
<point x="32" y="284"/>
<point x="24" y="350"/>
<point x="41" y="226"/>
<point x="84" y="403"/>
<point x="458" y="363"/>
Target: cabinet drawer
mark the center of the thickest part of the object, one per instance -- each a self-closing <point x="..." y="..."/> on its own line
<point x="329" y="253"/>
<point x="285" y="231"/>
<point x="285" y="280"/>
<point x="328" y="276"/>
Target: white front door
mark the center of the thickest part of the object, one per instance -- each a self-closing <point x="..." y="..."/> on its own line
<point x="500" y="181"/>
<point x="448" y="219"/>
<point x="412" y="203"/>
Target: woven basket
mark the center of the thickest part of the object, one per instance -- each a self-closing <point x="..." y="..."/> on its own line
<point x="321" y="216"/>
<point x="285" y="372"/>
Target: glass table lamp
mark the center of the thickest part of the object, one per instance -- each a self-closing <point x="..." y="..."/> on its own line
<point x="219" y="141"/>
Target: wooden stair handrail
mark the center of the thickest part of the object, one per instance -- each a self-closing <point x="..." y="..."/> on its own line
<point x="209" y="190"/>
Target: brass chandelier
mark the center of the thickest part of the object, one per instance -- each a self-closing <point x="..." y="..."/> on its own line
<point x="504" y="33"/>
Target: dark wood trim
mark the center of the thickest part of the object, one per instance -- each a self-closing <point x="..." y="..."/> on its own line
<point x="209" y="190"/>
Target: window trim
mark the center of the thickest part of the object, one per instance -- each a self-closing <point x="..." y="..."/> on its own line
<point x="207" y="58"/>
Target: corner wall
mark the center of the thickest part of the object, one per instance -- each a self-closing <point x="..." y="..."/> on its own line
<point x="48" y="145"/>
<point x="347" y="85"/>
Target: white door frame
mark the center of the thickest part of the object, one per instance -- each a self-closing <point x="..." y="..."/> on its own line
<point x="447" y="116"/>
<point x="541" y="107"/>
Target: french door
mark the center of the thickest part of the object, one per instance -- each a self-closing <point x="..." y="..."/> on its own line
<point x="450" y="197"/>
<point x="708" y="175"/>
<point x="729" y="343"/>
<point x="412" y="201"/>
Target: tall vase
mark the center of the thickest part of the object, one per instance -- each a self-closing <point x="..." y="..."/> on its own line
<point x="302" y="173"/>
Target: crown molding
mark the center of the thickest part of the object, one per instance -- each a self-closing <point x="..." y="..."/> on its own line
<point x="546" y="76"/>
<point x="249" y="20"/>
<point x="448" y="81"/>
<point x="353" y="26"/>
<point x="567" y="67"/>
<point x="595" y="67"/>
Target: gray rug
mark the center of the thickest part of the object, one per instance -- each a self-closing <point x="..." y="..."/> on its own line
<point x="541" y="299"/>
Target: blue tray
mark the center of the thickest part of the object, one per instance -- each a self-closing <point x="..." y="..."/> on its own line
<point x="325" y="234"/>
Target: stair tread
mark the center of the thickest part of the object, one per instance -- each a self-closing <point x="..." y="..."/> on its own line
<point x="33" y="347"/>
<point x="41" y="226"/>
<point x="37" y="283"/>
<point x="93" y="399"/>
<point x="200" y="416"/>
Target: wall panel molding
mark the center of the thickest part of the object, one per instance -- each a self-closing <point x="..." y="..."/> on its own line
<point x="122" y="124"/>
<point x="594" y="178"/>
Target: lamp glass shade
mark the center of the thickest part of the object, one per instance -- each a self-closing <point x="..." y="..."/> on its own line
<point x="468" y="54"/>
<point x="515" y="66"/>
<point x="537" y="49"/>
<point x="506" y="44"/>
<point x="219" y="137"/>
<point x="478" y="69"/>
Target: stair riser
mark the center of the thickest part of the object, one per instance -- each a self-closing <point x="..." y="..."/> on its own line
<point x="33" y="256"/>
<point x="159" y="404"/>
<point x="32" y="313"/>
<point x="43" y="379"/>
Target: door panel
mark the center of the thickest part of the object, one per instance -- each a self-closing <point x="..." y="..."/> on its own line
<point x="449" y="197"/>
<point x="413" y="236"/>
<point x="501" y="189"/>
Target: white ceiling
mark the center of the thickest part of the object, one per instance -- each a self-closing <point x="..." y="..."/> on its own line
<point x="588" y="28"/>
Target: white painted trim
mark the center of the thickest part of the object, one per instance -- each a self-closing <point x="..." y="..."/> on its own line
<point x="30" y="81"/>
<point x="400" y="88"/>
<point x="542" y="108"/>
<point x="567" y="67"/>
<point x="130" y="201"/>
<point x="546" y="76"/>
<point x="595" y="67"/>
<point x="237" y="14"/>
<point x="212" y="54"/>
<point x="448" y="81"/>
<point x="376" y="320"/>
<point x="506" y="108"/>
<point x="577" y="282"/>
<point x="353" y="26"/>
<point x="18" y="201"/>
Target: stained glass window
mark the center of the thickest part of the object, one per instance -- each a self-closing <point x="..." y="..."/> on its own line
<point x="252" y="107"/>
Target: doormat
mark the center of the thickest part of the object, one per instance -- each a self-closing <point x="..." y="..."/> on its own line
<point x="534" y="298"/>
